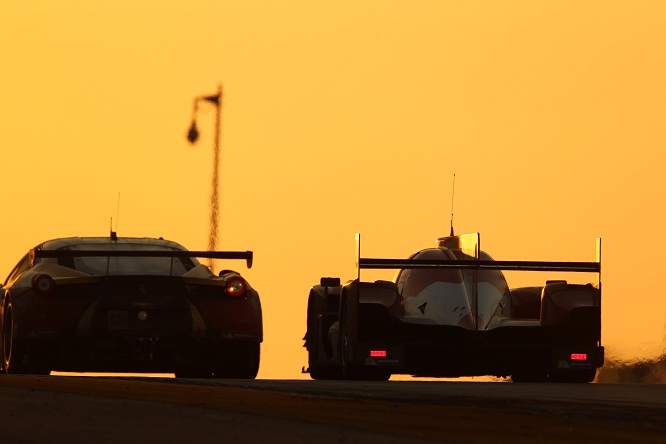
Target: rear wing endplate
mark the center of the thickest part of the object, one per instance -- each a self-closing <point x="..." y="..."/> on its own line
<point x="247" y="255"/>
<point x="374" y="263"/>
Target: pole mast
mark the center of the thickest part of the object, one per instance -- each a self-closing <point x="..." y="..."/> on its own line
<point x="214" y="194"/>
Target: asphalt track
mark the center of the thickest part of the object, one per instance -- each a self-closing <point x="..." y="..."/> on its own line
<point x="61" y="409"/>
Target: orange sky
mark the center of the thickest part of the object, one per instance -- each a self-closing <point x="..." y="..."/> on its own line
<point x="342" y="117"/>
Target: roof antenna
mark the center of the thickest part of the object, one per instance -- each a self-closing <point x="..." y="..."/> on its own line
<point x="114" y="235"/>
<point x="453" y="193"/>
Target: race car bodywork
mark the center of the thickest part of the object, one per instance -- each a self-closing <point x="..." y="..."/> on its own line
<point x="449" y="313"/>
<point x="128" y="305"/>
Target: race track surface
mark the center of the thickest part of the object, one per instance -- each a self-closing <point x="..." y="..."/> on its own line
<point x="63" y="409"/>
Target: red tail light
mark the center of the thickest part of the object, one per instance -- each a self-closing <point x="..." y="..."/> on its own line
<point x="43" y="284"/>
<point x="236" y="286"/>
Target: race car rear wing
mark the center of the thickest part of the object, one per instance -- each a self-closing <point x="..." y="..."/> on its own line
<point x="472" y="248"/>
<point x="247" y="255"/>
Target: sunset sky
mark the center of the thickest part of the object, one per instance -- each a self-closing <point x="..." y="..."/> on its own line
<point x="342" y="117"/>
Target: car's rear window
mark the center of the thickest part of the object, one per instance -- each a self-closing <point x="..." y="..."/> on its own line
<point x="412" y="282"/>
<point x="123" y="265"/>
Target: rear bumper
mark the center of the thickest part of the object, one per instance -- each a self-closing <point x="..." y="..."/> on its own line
<point x="128" y="354"/>
<point x="466" y="359"/>
<point x="450" y="351"/>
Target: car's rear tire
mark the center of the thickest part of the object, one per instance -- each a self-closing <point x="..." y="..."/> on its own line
<point x="194" y="373"/>
<point x="239" y="361"/>
<point x="236" y="360"/>
<point x="529" y="376"/>
<point x="316" y="369"/>
<point x="350" y="370"/>
<point x="13" y="351"/>
<point x="574" y="376"/>
<point x="324" y="372"/>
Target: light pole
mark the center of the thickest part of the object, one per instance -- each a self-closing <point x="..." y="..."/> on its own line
<point x="192" y="137"/>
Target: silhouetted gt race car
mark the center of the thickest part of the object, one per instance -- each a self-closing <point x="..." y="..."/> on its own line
<point x="450" y="313"/>
<point x="128" y="305"/>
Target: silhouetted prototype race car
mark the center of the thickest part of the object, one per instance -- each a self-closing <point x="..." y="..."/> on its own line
<point x="449" y="312"/>
<point x="128" y="305"/>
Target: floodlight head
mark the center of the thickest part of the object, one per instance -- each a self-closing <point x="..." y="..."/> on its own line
<point x="193" y="133"/>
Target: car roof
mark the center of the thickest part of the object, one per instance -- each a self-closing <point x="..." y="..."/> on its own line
<point x="102" y="242"/>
